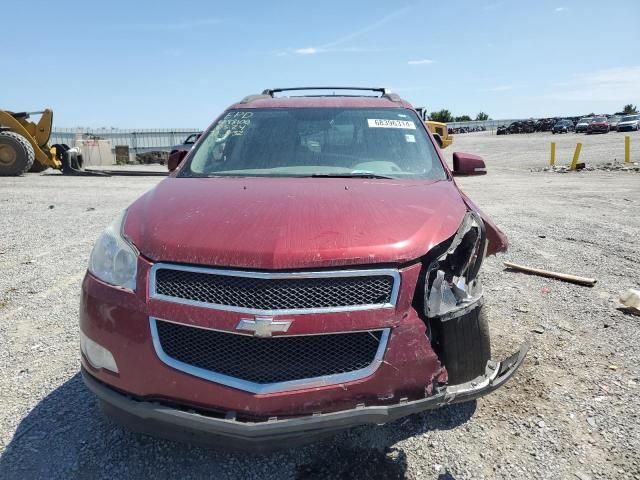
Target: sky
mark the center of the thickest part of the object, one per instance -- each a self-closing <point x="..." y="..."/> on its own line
<point x="161" y="64"/>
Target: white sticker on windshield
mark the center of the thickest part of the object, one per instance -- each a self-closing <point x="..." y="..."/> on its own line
<point x="410" y="138"/>
<point x="382" y="123"/>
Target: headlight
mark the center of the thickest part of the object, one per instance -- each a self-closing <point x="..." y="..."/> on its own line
<point x="451" y="282"/>
<point x="113" y="259"/>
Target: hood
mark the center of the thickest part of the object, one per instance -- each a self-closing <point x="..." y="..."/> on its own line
<point x="183" y="146"/>
<point x="287" y="223"/>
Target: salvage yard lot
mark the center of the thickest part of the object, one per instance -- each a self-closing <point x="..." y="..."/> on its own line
<point x="571" y="411"/>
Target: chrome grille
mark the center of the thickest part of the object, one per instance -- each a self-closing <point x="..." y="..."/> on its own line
<point x="273" y="364"/>
<point x="276" y="292"/>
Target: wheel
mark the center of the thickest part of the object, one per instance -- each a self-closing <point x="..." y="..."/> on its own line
<point x="38" y="167"/>
<point x="464" y="345"/>
<point x="16" y="154"/>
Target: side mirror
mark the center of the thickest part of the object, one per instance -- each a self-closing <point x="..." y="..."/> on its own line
<point x="175" y="159"/>
<point x="466" y="164"/>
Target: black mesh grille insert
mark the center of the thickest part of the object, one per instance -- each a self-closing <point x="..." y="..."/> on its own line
<point x="268" y="360"/>
<point x="274" y="294"/>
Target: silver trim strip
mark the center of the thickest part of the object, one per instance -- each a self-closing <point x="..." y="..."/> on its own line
<point x="274" y="276"/>
<point x="263" y="388"/>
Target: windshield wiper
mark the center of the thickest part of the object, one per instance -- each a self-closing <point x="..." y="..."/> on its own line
<point x="350" y="175"/>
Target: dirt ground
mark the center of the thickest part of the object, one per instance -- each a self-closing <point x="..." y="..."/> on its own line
<point x="572" y="411"/>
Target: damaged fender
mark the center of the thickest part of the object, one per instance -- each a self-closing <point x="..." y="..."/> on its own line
<point x="496" y="240"/>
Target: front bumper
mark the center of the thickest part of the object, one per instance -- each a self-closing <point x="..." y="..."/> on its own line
<point x="188" y="425"/>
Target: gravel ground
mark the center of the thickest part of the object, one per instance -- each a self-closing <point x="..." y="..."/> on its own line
<point x="570" y="412"/>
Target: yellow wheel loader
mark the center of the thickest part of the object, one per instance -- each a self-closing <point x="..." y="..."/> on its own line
<point x="438" y="129"/>
<point x="24" y="146"/>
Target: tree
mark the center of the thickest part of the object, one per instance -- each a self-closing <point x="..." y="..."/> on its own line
<point x="443" y="116"/>
<point x="629" y="109"/>
<point x="463" y="118"/>
<point x="482" y="116"/>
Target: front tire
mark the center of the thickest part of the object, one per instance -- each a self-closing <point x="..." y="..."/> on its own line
<point x="464" y="345"/>
<point x="16" y="154"/>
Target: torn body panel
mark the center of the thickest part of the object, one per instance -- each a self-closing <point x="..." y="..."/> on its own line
<point x="451" y="282"/>
<point x="229" y="431"/>
<point x="496" y="239"/>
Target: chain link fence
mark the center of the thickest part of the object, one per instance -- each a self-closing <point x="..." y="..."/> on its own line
<point x="138" y="140"/>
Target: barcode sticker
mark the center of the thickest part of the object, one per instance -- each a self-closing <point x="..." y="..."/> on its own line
<point x="382" y="123"/>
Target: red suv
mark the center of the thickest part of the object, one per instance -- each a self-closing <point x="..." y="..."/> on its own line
<point x="598" y="124"/>
<point x="310" y="266"/>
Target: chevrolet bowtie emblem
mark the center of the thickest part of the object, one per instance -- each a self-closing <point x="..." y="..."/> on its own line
<point x="263" y="326"/>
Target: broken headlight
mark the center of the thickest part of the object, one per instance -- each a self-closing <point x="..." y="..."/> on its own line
<point x="451" y="281"/>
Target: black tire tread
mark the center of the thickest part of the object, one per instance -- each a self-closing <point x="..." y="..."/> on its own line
<point x="28" y="153"/>
<point x="466" y="346"/>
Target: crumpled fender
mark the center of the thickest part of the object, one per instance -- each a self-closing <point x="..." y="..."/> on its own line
<point x="497" y="240"/>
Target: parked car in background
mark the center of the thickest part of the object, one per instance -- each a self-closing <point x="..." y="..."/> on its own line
<point x="310" y="266"/>
<point x="613" y="122"/>
<point x="522" y="126"/>
<point x="598" y="125"/>
<point x="583" y="124"/>
<point x="629" y="122"/>
<point x="188" y="143"/>
<point x="563" y="126"/>
<point x="178" y="152"/>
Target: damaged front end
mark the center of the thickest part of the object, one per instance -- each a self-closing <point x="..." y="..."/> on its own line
<point x="452" y="285"/>
<point x="453" y="307"/>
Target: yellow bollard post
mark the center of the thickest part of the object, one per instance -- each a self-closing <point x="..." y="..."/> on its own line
<point x="576" y="156"/>
<point x="552" y="160"/>
<point x="627" y="149"/>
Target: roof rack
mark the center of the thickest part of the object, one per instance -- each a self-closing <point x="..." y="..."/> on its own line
<point x="251" y="98"/>
<point x="385" y="92"/>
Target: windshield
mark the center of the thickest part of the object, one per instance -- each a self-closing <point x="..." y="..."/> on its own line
<point x="629" y="118"/>
<point x="317" y="142"/>
<point x="585" y="120"/>
<point x="600" y="119"/>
